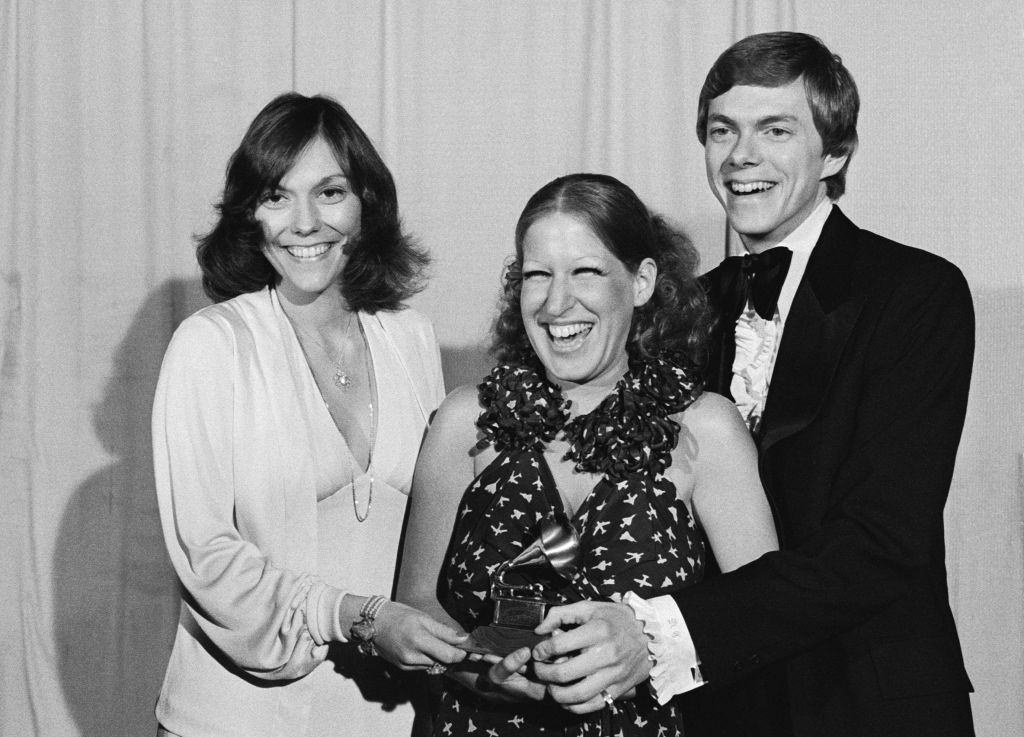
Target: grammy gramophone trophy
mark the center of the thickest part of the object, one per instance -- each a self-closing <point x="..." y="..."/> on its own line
<point x="519" y="608"/>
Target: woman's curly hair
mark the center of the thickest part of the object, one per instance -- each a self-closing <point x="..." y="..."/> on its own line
<point x="675" y="322"/>
<point x="384" y="267"/>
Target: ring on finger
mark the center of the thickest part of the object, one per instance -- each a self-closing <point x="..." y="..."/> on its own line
<point x="436" y="669"/>
<point x="608" y="700"/>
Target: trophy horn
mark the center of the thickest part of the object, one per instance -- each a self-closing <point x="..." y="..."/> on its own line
<point x="558" y="546"/>
<point x="519" y="608"/>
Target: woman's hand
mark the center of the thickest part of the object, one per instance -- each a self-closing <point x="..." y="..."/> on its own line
<point x="413" y="640"/>
<point x="500" y="679"/>
<point x="605" y="651"/>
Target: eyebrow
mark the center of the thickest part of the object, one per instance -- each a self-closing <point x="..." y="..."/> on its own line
<point x="767" y="120"/>
<point x="332" y="177"/>
<point x="329" y="179"/>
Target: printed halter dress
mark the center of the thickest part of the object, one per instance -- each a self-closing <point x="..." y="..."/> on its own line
<point x="635" y="535"/>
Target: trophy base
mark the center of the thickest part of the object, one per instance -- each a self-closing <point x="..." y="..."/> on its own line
<point x="494" y="639"/>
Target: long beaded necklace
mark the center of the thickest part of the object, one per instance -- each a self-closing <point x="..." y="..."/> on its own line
<point x="343" y="381"/>
<point x="373" y="431"/>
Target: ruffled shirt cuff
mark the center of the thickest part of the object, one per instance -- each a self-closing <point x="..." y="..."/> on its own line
<point x="676" y="667"/>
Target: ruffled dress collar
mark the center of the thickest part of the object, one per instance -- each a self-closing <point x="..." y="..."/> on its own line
<point x="630" y="432"/>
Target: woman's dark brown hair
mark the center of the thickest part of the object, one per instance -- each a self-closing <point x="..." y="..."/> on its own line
<point x="384" y="266"/>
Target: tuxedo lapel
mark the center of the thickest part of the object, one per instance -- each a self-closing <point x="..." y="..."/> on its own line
<point x="723" y="357"/>
<point x="721" y="353"/>
<point x="722" y="342"/>
<point x="819" y="323"/>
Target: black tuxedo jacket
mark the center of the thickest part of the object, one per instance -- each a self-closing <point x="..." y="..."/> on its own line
<point x="847" y="629"/>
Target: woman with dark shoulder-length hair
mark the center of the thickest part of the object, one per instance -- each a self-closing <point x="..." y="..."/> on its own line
<point x="594" y="412"/>
<point x="286" y="425"/>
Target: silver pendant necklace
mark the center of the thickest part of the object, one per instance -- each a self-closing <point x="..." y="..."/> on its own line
<point x="340" y="379"/>
<point x="343" y="381"/>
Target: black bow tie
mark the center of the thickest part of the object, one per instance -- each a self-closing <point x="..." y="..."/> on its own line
<point x="757" y="278"/>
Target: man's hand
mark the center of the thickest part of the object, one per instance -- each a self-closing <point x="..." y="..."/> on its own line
<point x="607" y="651"/>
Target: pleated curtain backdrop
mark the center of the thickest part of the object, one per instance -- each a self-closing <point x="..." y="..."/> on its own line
<point x="116" y="122"/>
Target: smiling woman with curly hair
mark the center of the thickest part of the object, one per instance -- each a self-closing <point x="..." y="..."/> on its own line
<point x="594" y="415"/>
<point x="675" y="319"/>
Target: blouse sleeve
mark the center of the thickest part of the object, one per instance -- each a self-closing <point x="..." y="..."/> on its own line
<point x="434" y="373"/>
<point x="415" y="342"/>
<point x="252" y="610"/>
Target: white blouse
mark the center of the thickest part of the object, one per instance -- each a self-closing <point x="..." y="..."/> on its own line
<point x="240" y="434"/>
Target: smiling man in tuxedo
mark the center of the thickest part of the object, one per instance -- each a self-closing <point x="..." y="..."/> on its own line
<point x="849" y="356"/>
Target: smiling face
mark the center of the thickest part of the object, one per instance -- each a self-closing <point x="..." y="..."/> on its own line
<point x="309" y="221"/>
<point x="764" y="160"/>
<point x="577" y="301"/>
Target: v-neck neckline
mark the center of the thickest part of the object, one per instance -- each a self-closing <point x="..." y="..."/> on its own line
<point x="322" y="410"/>
<point x="554" y="495"/>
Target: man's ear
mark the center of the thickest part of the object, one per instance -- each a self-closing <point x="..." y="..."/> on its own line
<point x="643" y="281"/>
<point x="832" y="165"/>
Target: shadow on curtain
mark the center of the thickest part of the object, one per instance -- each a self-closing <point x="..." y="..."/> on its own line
<point x="465" y="364"/>
<point x="115" y="599"/>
